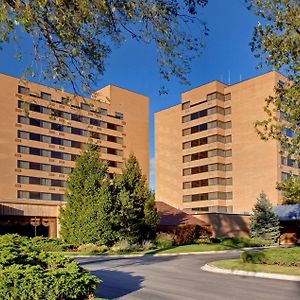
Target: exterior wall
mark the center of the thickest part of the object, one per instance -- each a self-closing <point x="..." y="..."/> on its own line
<point x="168" y="164"/>
<point x="135" y="108"/>
<point x="224" y="163"/>
<point x="255" y="162"/>
<point x="227" y="225"/>
<point x="41" y="135"/>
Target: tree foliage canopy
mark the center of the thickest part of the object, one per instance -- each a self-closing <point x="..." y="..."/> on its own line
<point x="76" y="37"/>
<point x="276" y="42"/>
<point x="136" y="215"/>
<point x="290" y="189"/>
<point x="99" y="210"/>
<point x="263" y="222"/>
<point x="86" y="217"/>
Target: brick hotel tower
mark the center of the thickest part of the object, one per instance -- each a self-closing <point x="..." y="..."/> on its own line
<point x="43" y="130"/>
<point x="208" y="157"/>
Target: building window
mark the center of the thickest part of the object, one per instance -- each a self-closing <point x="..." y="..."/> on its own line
<point x="23" y="179"/>
<point x="23" y="90"/>
<point x="103" y="111"/>
<point x="119" y="115"/>
<point x="215" y="95"/>
<point x="85" y="106"/>
<point x="23" y="195"/>
<point x="227" y="97"/>
<point x="185" y="105"/>
<point x="227" y="111"/>
<point x="46" y="96"/>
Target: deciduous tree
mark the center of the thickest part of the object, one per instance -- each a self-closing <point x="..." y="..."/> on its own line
<point x="290" y="190"/>
<point x="276" y="41"/>
<point x="73" y="38"/>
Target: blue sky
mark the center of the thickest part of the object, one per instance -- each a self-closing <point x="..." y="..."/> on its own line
<point x="133" y="66"/>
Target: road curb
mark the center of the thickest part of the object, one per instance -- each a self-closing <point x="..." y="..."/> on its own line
<point x="170" y="254"/>
<point x="214" y="269"/>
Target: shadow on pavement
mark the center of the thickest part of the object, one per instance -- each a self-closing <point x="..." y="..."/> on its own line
<point x="116" y="284"/>
<point x="125" y="261"/>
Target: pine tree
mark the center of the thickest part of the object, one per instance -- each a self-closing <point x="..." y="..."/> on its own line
<point x="264" y="223"/>
<point x="136" y="218"/>
<point x="86" y="217"/>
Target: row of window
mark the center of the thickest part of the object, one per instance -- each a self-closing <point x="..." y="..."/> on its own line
<point x="290" y="162"/>
<point x="68" y="116"/>
<point x="217" y="208"/>
<point x="207" y="140"/>
<point x="84" y="106"/>
<point x="63" y="142"/>
<point x="207" y="112"/>
<point x="206" y="126"/>
<point x="46" y="153"/>
<point x="207" y="196"/>
<point x="58" y="155"/>
<point x="206" y="154"/>
<point x="207" y="168"/>
<point x="41" y="181"/>
<point x="209" y="97"/>
<point x="40" y="196"/>
<point x="68" y="129"/>
<point x="43" y="167"/>
<point x="207" y="182"/>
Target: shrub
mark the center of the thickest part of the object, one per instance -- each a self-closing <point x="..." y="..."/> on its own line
<point x="28" y="273"/>
<point x="92" y="248"/>
<point x="124" y="246"/>
<point x="206" y="241"/>
<point x="187" y="234"/>
<point x="50" y="245"/>
<point x="283" y="257"/>
<point x="148" y="245"/>
<point x="164" y="240"/>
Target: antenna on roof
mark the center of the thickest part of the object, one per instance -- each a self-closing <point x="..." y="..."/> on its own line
<point x="229" y="77"/>
<point x="240" y="77"/>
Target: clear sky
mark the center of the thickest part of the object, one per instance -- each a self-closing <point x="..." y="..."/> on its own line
<point x="133" y="65"/>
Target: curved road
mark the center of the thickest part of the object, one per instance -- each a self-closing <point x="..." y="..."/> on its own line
<point x="180" y="277"/>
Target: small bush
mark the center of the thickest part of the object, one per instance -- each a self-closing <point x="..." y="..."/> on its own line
<point x="164" y="240"/>
<point x="29" y="273"/>
<point x="206" y="241"/>
<point x="92" y="248"/>
<point x="185" y="234"/>
<point x="50" y="245"/>
<point x="148" y="245"/>
<point x="123" y="246"/>
<point x="282" y="257"/>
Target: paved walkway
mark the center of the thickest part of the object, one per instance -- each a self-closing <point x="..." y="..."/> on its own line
<point x="181" y="277"/>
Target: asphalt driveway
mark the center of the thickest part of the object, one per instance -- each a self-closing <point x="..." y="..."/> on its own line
<point x="180" y="277"/>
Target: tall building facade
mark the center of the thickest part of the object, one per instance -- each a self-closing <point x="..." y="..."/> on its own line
<point x="43" y="130"/>
<point x="208" y="156"/>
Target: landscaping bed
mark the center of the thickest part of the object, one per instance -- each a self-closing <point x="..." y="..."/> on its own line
<point x="164" y="245"/>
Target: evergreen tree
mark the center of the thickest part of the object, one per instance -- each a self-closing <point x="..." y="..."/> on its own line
<point x="264" y="223"/>
<point x="86" y="216"/>
<point x="135" y="215"/>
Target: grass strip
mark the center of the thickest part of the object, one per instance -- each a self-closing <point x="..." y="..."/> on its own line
<point x="238" y="264"/>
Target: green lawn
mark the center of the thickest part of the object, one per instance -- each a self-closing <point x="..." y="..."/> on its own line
<point x="192" y="248"/>
<point x="238" y="264"/>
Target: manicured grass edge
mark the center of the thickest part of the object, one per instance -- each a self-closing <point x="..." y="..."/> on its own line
<point x="239" y="265"/>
